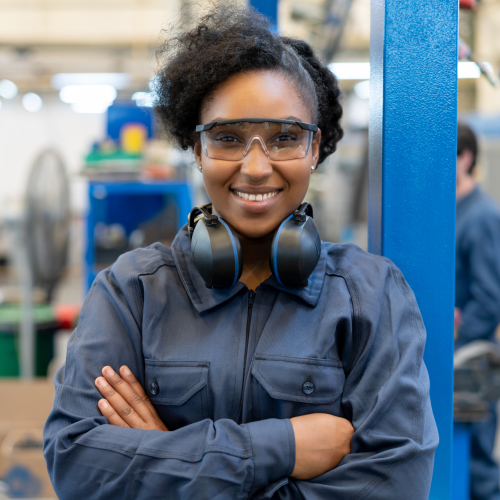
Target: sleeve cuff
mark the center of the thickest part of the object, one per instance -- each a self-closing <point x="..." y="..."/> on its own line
<point x="273" y="448"/>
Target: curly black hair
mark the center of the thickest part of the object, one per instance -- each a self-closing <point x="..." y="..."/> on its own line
<point x="227" y="41"/>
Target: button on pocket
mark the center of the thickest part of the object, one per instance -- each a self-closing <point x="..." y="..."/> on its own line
<point x="178" y="390"/>
<point x="154" y="387"/>
<point x="308" y="387"/>
<point x="286" y="387"/>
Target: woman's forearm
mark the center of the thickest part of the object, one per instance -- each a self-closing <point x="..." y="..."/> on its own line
<point x="87" y="458"/>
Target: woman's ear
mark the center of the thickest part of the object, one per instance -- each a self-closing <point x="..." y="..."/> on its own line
<point x="315" y="148"/>
<point x="197" y="154"/>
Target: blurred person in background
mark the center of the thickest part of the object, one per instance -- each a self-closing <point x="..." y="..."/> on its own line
<point x="477" y="295"/>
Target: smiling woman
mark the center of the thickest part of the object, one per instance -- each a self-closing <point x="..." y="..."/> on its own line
<point x="181" y="386"/>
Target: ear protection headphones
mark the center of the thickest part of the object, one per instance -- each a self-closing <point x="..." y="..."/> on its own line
<point x="216" y="249"/>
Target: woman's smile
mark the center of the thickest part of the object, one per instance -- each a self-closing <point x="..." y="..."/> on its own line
<point x="255" y="199"/>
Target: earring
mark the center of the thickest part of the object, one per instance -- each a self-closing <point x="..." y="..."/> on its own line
<point x="200" y="168"/>
<point x="312" y="168"/>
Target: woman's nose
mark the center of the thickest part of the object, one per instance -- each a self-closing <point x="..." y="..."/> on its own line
<point x="256" y="165"/>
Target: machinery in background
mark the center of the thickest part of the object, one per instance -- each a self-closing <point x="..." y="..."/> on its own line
<point x="139" y="190"/>
<point x="40" y="236"/>
<point x="124" y="215"/>
<point x="132" y="150"/>
<point x="477" y="381"/>
<point x="47" y="215"/>
<point x="476" y="390"/>
<point x="326" y="23"/>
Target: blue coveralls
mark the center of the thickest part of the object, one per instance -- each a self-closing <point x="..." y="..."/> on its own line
<point x="231" y="366"/>
<point x="477" y="294"/>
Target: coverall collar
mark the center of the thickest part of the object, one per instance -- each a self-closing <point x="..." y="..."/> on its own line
<point x="204" y="298"/>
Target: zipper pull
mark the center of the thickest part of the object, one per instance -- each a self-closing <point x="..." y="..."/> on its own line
<point x="251" y="297"/>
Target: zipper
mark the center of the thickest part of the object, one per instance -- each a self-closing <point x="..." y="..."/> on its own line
<point x="251" y="298"/>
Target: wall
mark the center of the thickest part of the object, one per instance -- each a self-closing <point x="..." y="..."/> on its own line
<point x="23" y="135"/>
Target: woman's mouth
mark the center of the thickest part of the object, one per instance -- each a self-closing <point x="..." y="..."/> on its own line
<point x="256" y="202"/>
<point x="255" y="197"/>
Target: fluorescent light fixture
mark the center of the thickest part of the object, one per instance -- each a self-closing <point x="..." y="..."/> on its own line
<point x="362" y="89"/>
<point x="361" y="71"/>
<point x="32" y="102"/>
<point x="351" y="71"/>
<point x="143" y="99"/>
<point x="116" y="80"/>
<point x="468" y="70"/>
<point x="8" y="89"/>
<point x="90" y="107"/>
<point x="103" y="94"/>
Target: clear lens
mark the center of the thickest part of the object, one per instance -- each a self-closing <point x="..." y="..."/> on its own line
<point x="234" y="141"/>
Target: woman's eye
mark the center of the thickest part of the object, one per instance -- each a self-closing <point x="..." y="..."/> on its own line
<point x="283" y="138"/>
<point x="227" y="138"/>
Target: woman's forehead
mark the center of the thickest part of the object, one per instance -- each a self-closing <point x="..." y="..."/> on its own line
<point x="255" y="94"/>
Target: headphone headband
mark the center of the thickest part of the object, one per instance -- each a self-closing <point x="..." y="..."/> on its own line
<point x="198" y="213"/>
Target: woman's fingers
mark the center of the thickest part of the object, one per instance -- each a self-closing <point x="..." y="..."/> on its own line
<point x="111" y="416"/>
<point x="120" y="405"/>
<point x="137" y="402"/>
<point x="129" y="377"/>
<point x="128" y="393"/>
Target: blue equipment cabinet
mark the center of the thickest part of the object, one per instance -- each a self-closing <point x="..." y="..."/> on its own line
<point x="129" y="205"/>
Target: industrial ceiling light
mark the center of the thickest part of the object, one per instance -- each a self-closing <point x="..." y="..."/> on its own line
<point x="361" y="71"/>
<point x="8" y="89"/>
<point x="468" y="69"/>
<point x="351" y="70"/>
<point x="88" y="98"/>
<point x="117" y="80"/>
<point x="72" y="94"/>
<point x="90" y="107"/>
<point x="32" y="102"/>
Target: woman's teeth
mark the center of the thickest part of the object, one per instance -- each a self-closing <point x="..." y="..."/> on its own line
<point x="256" y="197"/>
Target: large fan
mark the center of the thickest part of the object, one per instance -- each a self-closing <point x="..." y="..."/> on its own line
<point x="47" y="220"/>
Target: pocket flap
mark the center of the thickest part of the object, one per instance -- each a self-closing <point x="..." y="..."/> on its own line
<point x="302" y="380"/>
<point x="176" y="381"/>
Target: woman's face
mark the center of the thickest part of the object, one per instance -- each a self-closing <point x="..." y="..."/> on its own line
<point x="256" y="94"/>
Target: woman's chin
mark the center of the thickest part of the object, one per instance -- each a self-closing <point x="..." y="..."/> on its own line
<point x="255" y="231"/>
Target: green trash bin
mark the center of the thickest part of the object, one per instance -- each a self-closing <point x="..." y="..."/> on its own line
<point x="10" y="342"/>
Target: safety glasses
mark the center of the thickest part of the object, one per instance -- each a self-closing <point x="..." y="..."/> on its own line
<point x="281" y="140"/>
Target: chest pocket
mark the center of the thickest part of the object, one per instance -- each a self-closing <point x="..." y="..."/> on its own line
<point x="285" y="387"/>
<point x="178" y="390"/>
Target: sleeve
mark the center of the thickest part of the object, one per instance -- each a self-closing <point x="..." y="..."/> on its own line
<point x="481" y="314"/>
<point x="386" y="397"/>
<point x="88" y="458"/>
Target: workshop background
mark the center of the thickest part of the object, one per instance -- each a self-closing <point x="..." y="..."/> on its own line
<point x="86" y="175"/>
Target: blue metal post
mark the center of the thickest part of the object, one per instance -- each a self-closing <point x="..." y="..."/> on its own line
<point x="461" y="461"/>
<point x="413" y="123"/>
<point x="267" y="7"/>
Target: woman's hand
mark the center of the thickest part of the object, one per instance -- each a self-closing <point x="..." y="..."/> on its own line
<point x="321" y="442"/>
<point x="126" y="404"/>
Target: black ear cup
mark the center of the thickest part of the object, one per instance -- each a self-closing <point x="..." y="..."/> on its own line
<point x="295" y="249"/>
<point x="216" y="252"/>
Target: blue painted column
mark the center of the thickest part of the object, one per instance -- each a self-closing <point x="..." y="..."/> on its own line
<point x="267" y="7"/>
<point x="413" y="123"/>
